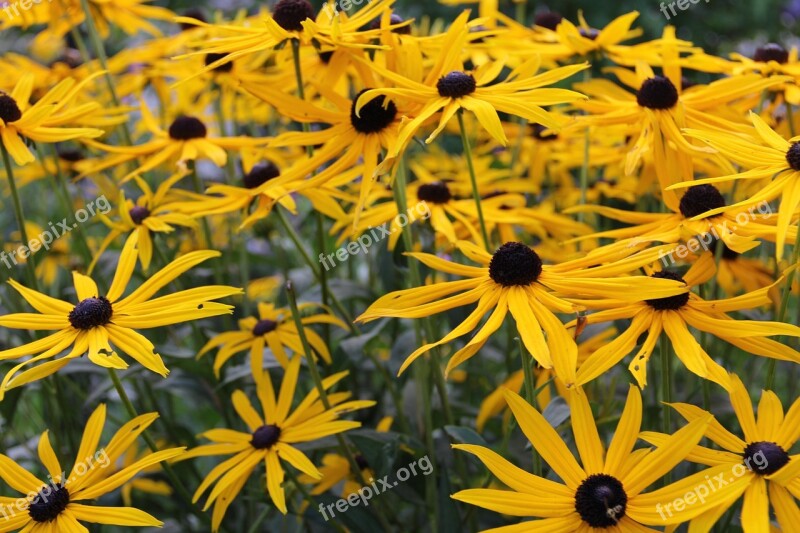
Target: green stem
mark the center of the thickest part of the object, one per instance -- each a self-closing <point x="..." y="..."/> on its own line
<point x="100" y="51"/>
<point x="30" y="264"/>
<point x="473" y="180"/>
<point x="785" y="297"/>
<point x="344" y="448"/>
<point x="530" y="396"/>
<point x="174" y="479"/>
<point x="666" y="389"/>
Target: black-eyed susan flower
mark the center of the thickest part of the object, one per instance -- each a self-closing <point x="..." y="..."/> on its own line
<point x="38" y="121"/>
<point x="514" y="280"/>
<point x="58" y="504"/>
<point x="673" y="315"/>
<point x="767" y="157"/>
<point x="186" y="139"/>
<point x="449" y="88"/>
<point x="607" y="492"/>
<point x="760" y="463"/>
<point x="102" y="319"/>
<point x="271" y="438"/>
<point x="152" y="212"/>
<point x="273" y="328"/>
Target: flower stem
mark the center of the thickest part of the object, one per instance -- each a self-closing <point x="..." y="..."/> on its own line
<point x="530" y="395"/>
<point x="666" y="389"/>
<point x="344" y="448"/>
<point x="473" y="180"/>
<point x="30" y="264"/>
<point x="785" y="297"/>
<point x="100" y="51"/>
<point x="174" y="479"/>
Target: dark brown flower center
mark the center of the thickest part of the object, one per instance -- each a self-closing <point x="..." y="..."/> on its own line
<point x="260" y="174"/>
<point x="290" y="14"/>
<point x="670" y="302"/>
<point x="264" y="326"/>
<point x="700" y="199"/>
<point x="793" y="156"/>
<point x="225" y="67"/>
<point x="9" y="110"/>
<point x="548" y="19"/>
<point x="265" y="437"/>
<point x="437" y="193"/>
<point x="91" y="313"/>
<point x="138" y="214"/>
<point x="375" y="116"/>
<point x="539" y="133"/>
<point x="771" y="52"/>
<point x="657" y="93"/>
<point x="515" y="264"/>
<point x="394" y="19"/>
<point x="185" y="128"/>
<point x="765" y="458"/>
<point x="601" y="500"/>
<point x="456" y="84"/>
<point x="49" y="503"/>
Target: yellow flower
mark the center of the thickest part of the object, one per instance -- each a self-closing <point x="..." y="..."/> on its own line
<point x="56" y="505"/>
<point x="513" y="280"/>
<point x="607" y="491"/>
<point x="100" y="319"/>
<point x="271" y="438"/>
<point x="40" y="122"/>
<point x="273" y="328"/>
<point x="761" y="465"/>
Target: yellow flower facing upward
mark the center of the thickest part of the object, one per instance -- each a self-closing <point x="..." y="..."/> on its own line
<point x="607" y="491"/>
<point x="40" y="122"/>
<point x="271" y="438"/>
<point x="765" y="472"/>
<point x="57" y="505"/>
<point x="275" y="329"/>
<point x="101" y="319"/>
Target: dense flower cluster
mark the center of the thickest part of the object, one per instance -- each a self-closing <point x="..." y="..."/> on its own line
<point x="621" y="198"/>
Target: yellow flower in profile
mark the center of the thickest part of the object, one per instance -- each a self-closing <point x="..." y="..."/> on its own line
<point x="274" y="328"/>
<point x="673" y="315"/>
<point x="40" y="122"/>
<point x="764" y="471"/>
<point x="100" y="319"/>
<point x="767" y="157"/>
<point x="512" y="280"/>
<point x="271" y="438"/>
<point x="57" y="505"/>
<point x="608" y="490"/>
<point x="150" y="213"/>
